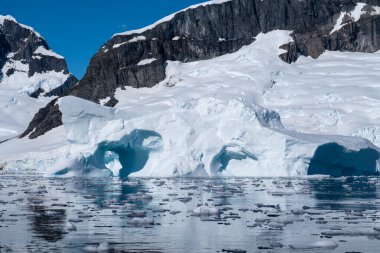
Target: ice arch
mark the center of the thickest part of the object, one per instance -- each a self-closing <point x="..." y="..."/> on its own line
<point x="131" y="152"/>
<point x="230" y="152"/>
<point x="335" y="160"/>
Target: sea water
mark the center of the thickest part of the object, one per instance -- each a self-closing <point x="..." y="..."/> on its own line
<point x="315" y="214"/>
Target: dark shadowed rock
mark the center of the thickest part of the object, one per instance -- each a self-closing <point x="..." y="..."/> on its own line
<point x="46" y="119"/>
<point x="19" y="43"/>
<point x="213" y="30"/>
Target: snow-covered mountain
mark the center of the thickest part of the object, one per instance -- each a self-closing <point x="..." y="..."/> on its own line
<point x="204" y="31"/>
<point x="28" y="64"/>
<point x="231" y="88"/>
<point x="28" y="69"/>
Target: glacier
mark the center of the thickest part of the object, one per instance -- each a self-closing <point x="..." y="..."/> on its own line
<point x="242" y="114"/>
<point x="218" y="117"/>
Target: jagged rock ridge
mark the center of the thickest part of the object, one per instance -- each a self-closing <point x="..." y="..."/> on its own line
<point x="138" y="59"/>
<point x="27" y="62"/>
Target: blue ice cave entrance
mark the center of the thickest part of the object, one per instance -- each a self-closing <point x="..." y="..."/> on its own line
<point x="230" y="152"/>
<point x="335" y="160"/>
<point x="128" y="155"/>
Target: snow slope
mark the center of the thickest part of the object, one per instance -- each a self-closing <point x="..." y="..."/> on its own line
<point x="22" y="83"/>
<point x="241" y="114"/>
<point x="16" y="110"/>
<point x="336" y="94"/>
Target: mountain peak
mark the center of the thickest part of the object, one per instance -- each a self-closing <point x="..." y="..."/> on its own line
<point x="28" y="64"/>
<point x="10" y="18"/>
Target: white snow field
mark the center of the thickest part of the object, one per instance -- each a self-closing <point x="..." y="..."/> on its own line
<point x="241" y="114"/>
<point x="16" y="111"/>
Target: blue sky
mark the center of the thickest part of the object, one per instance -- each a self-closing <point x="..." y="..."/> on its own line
<point x="77" y="28"/>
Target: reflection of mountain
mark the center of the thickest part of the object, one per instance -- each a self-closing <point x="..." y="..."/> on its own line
<point x="48" y="224"/>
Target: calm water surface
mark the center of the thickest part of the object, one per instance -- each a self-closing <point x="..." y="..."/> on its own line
<point x="157" y="215"/>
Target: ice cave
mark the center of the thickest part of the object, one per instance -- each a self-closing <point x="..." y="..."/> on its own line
<point x="128" y="155"/>
<point x="221" y="160"/>
<point x="335" y="160"/>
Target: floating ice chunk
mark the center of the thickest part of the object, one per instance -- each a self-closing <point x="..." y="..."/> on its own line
<point x="103" y="247"/>
<point x="276" y="226"/>
<point x="141" y="221"/>
<point x="205" y="210"/>
<point x="317" y="245"/>
<point x="377" y="228"/>
<point x="70" y="226"/>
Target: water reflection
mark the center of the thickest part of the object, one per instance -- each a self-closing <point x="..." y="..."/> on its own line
<point x="48" y="223"/>
<point x="333" y="191"/>
<point x="175" y="215"/>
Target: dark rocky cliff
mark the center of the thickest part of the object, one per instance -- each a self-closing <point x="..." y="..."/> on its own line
<point x="19" y="43"/>
<point x="212" y="30"/>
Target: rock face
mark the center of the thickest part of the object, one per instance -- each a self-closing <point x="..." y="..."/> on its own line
<point x="138" y="58"/>
<point x="353" y="34"/>
<point x="26" y="61"/>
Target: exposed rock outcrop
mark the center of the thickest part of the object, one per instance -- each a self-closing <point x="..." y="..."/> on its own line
<point x="138" y="58"/>
<point x="45" y="119"/>
<point x="25" y="54"/>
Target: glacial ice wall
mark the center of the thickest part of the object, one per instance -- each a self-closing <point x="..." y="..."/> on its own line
<point x="224" y="138"/>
